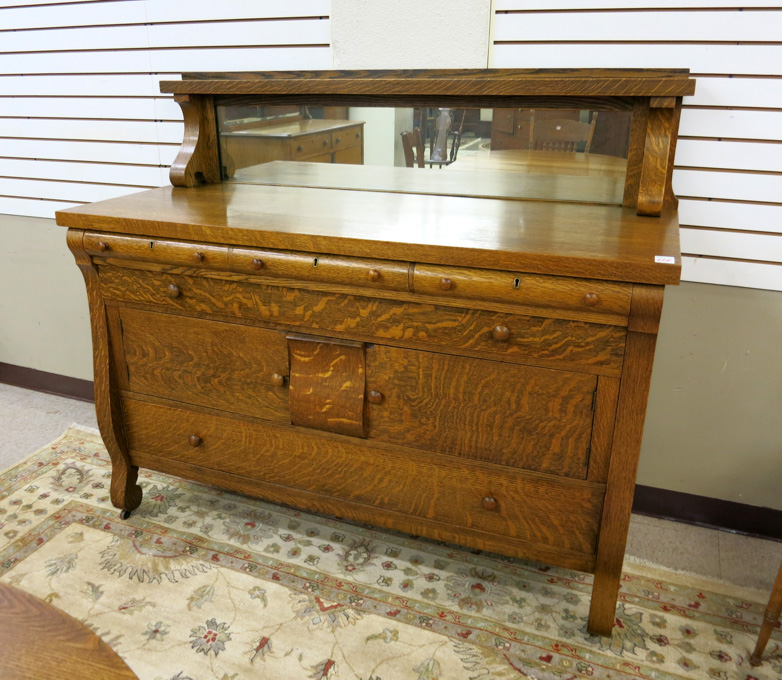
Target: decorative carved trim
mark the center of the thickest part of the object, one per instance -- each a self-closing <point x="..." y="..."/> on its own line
<point x="197" y="161"/>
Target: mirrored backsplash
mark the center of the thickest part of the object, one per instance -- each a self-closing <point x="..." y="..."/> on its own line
<point x="550" y="154"/>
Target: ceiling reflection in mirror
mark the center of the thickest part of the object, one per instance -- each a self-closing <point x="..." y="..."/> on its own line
<point x="544" y="154"/>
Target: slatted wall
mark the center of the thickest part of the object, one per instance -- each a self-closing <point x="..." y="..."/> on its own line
<point x="81" y="114"/>
<point x="728" y="167"/>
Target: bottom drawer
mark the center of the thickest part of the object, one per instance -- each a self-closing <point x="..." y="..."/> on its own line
<point x="507" y="502"/>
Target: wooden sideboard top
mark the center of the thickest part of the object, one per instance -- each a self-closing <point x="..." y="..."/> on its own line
<point x="569" y="239"/>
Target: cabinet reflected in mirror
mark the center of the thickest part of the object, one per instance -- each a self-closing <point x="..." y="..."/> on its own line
<point x="551" y="154"/>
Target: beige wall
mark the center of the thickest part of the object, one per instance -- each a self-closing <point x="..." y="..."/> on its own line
<point x="714" y="421"/>
<point x="44" y="320"/>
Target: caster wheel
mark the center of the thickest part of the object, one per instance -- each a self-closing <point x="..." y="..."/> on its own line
<point x="124" y="514"/>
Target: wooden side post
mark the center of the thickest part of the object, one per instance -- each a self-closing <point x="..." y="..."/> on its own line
<point x="658" y="155"/>
<point x="645" y="309"/>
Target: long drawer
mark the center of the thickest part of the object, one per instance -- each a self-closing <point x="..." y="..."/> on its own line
<point x="589" y="347"/>
<point x="501" y="501"/>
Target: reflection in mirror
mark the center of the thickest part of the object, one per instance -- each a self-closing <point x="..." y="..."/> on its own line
<point x="550" y="154"/>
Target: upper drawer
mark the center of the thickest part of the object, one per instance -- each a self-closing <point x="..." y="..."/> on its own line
<point x="532" y="290"/>
<point x="156" y="250"/>
<point x="311" y="145"/>
<point x="346" y="138"/>
<point x="348" y="271"/>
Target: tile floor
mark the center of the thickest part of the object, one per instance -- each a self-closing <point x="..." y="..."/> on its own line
<point x="30" y="420"/>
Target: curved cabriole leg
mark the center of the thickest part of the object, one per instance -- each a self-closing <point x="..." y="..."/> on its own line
<point x="124" y="491"/>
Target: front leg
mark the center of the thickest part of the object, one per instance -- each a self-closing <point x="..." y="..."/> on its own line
<point x="125" y="492"/>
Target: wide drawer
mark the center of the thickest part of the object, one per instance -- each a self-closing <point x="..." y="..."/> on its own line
<point x="593" y="348"/>
<point x="497" y="500"/>
<point x="559" y="292"/>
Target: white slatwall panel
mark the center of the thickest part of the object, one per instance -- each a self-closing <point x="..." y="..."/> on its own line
<point x="728" y="172"/>
<point x="81" y="113"/>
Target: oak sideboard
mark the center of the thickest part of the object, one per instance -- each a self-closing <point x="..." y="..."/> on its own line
<point x="463" y="354"/>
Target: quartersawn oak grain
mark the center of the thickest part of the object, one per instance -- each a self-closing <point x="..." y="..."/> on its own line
<point x="518" y="416"/>
<point x="590" y="241"/>
<point x="556" y="343"/>
<point x="532" y="508"/>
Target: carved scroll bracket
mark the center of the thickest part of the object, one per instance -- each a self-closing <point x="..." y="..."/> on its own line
<point x="197" y="161"/>
<point x="655" y="191"/>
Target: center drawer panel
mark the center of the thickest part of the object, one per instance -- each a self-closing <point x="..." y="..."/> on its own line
<point x="526" y="506"/>
<point x="594" y="348"/>
<point x="240" y="369"/>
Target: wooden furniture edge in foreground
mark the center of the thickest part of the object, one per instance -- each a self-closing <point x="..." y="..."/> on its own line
<point x="39" y="641"/>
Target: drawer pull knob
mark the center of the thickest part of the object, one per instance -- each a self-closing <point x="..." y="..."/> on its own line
<point x="445" y="284"/>
<point x="278" y="380"/>
<point x="374" y="274"/>
<point x="358" y="135"/>
<point x="325" y="142"/>
<point x="489" y="503"/>
<point x="257" y="263"/>
<point x="337" y="140"/>
<point x="194" y="440"/>
<point x="173" y="291"/>
<point x="299" y="148"/>
<point x="375" y="397"/>
<point x="501" y="333"/>
<point x="591" y="299"/>
<point x="198" y="257"/>
<point x="103" y="246"/>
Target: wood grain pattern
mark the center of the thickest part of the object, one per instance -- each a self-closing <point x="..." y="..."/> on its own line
<point x="770" y="619"/>
<point x="209" y="363"/>
<point x="626" y="447"/>
<point x="39" y="641"/>
<point x="657" y="158"/>
<point x="471" y="82"/>
<point x="327" y="379"/>
<point x="531" y="507"/>
<point x="635" y="153"/>
<point x="517" y="416"/>
<point x="525" y="289"/>
<point x="363" y="512"/>
<point x="603" y="428"/>
<point x="124" y="491"/>
<point x="609" y="243"/>
<point x="585" y="347"/>
<point x="197" y="160"/>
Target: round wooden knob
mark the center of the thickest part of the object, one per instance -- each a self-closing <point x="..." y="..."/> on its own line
<point x="591" y="299"/>
<point x="257" y="263"/>
<point x="198" y="257"/>
<point x="489" y="503"/>
<point x="194" y="440"/>
<point x="375" y="397"/>
<point x="373" y="274"/>
<point x="173" y="291"/>
<point x="358" y="135"/>
<point x="500" y="333"/>
<point x="325" y="142"/>
<point x="299" y="148"/>
<point x="278" y="380"/>
<point x="445" y="284"/>
<point x="103" y="246"/>
<point x="337" y="140"/>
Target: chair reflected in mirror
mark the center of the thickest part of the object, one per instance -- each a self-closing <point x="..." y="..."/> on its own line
<point x="443" y="144"/>
<point x="561" y="134"/>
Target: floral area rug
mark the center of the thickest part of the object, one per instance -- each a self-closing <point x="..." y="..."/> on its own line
<point x="201" y="584"/>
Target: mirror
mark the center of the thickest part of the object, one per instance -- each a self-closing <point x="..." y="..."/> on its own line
<point x="550" y="154"/>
